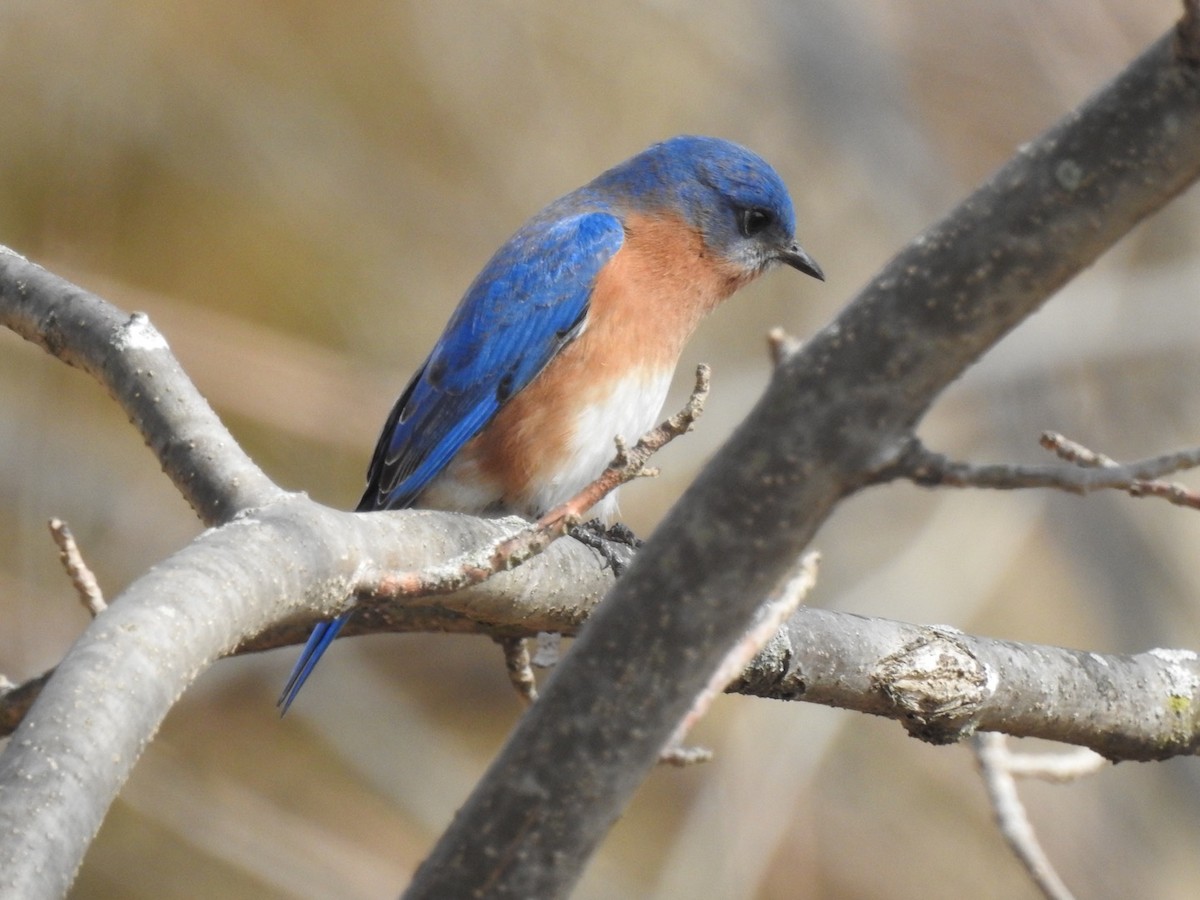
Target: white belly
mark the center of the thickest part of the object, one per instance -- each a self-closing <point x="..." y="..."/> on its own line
<point x="631" y="408"/>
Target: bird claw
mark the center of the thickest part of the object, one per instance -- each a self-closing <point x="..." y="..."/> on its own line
<point x="616" y="545"/>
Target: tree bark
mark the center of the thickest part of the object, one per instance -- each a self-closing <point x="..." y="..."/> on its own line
<point x="833" y="419"/>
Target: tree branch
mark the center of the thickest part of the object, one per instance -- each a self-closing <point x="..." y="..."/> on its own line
<point x="835" y="416"/>
<point x="75" y="746"/>
<point x="81" y="576"/>
<point x="943" y="685"/>
<point x="1091" y="472"/>
<point x="993" y="758"/>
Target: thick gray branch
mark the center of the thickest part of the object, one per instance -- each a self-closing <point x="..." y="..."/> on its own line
<point x="939" y="683"/>
<point x="75" y="747"/>
<point x="834" y="417"/>
<point x="943" y="684"/>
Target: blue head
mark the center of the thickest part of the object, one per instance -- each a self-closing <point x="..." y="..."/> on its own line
<point x="731" y="196"/>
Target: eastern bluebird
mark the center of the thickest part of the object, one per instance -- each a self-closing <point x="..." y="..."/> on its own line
<point x="570" y="335"/>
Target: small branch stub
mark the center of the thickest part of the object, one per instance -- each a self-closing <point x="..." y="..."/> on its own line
<point x="81" y="576"/>
<point x="781" y="346"/>
<point x="519" y="667"/>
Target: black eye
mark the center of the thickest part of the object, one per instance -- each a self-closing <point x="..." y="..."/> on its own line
<point x="753" y="221"/>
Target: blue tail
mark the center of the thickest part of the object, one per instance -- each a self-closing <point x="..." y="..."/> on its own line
<point x="320" y="639"/>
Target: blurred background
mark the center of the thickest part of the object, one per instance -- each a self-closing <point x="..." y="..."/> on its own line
<point x="298" y="193"/>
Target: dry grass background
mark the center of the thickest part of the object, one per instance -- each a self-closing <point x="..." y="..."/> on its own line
<point x="298" y="193"/>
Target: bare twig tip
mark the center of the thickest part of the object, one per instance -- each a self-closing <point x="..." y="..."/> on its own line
<point x="519" y="668"/>
<point x="685" y="756"/>
<point x="77" y="570"/>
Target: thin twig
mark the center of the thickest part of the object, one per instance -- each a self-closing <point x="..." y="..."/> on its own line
<point x="1072" y="452"/>
<point x="1060" y="767"/>
<point x="1089" y="471"/>
<point x="519" y="668"/>
<point x="1145" y="486"/>
<point x="81" y="576"/>
<point x="1172" y="491"/>
<point x="774" y="612"/>
<point x="680" y="756"/>
<point x="991" y="753"/>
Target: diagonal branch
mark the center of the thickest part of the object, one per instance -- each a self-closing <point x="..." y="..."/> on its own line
<point x="836" y="415"/>
<point x="993" y="758"/>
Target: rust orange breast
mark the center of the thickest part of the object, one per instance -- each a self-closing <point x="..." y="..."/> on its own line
<point x="646" y="303"/>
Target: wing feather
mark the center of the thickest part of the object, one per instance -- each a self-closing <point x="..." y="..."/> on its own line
<point x="527" y="303"/>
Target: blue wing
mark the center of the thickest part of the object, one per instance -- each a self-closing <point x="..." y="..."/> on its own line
<point x="527" y="303"/>
<point x="523" y="307"/>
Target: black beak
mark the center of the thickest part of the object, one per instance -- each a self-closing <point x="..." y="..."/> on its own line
<point x="795" y="257"/>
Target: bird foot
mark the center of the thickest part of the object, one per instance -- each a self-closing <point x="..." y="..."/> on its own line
<point x="617" y="545"/>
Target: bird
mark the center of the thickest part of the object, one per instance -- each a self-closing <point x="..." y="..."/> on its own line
<point x="569" y="337"/>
